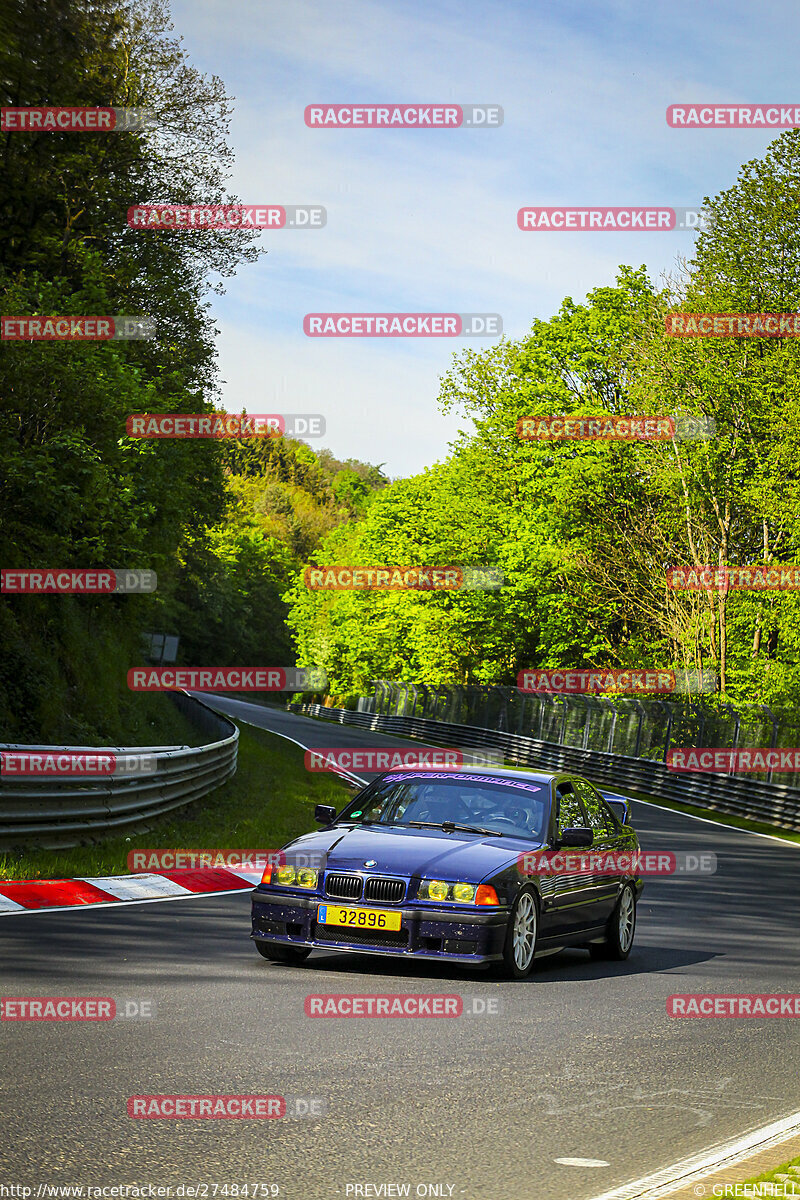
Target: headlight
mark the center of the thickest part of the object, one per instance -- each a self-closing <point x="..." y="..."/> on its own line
<point x="288" y="876"/>
<point x="453" y="893"/>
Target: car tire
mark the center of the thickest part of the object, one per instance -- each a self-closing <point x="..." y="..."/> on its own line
<point x="621" y="929"/>
<point x="275" y="952"/>
<point x="519" y="948"/>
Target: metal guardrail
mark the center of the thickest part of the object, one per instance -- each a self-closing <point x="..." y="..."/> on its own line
<point x="774" y="804"/>
<point x="639" y="726"/>
<point x="60" y="811"/>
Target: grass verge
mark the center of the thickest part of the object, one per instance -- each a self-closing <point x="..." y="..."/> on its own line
<point x="269" y="801"/>
<point x="786" y="1180"/>
<point x="151" y="719"/>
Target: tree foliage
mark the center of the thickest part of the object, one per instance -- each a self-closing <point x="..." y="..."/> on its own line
<point x="585" y="531"/>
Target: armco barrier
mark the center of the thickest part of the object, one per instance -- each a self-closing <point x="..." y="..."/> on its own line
<point x="773" y="803"/>
<point x="58" y="811"/>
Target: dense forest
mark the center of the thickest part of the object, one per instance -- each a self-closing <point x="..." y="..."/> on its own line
<point x="583" y="532"/>
<point x="224" y="526"/>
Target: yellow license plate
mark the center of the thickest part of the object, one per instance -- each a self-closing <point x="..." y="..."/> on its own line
<point x="357" y="918"/>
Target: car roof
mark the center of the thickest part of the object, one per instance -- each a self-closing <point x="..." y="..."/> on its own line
<point x="493" y="772"/>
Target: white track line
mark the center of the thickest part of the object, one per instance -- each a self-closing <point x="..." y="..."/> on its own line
<point x="337" y="771"/>
<point x="772" y="837"/>
<point x="686" y="1172"/>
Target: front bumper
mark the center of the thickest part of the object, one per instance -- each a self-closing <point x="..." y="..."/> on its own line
<point x="470" y="937"/>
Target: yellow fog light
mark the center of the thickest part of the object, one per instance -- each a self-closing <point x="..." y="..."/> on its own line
<point x="464" y="892"/>
<point x="285" y="875"/>
<point x="306" y="878"/>
<point x="438" y="890"/>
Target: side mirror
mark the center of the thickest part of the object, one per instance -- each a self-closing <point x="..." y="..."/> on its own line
<point x="620" y="809"/>
<point x="325" y="814"/>
<point x="576" y="835"/>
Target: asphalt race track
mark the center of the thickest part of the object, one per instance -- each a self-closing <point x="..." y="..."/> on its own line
<point x="581" y="1061"/>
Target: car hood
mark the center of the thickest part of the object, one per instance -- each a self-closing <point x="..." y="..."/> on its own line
<point x="398" y="851"/>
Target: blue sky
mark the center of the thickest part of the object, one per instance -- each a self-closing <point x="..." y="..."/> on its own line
<point x="425" y="221"/>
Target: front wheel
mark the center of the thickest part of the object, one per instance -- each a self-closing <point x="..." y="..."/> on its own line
<point x="275" y="952"/>
<point x="520" y="943"/>
<point x="621" y="929"/>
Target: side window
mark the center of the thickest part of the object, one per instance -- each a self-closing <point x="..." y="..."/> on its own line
<point x="569" y="807"/>
<point x="598" y="814"/>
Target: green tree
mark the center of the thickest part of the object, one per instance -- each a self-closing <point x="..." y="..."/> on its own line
<point x="74" y="490"/>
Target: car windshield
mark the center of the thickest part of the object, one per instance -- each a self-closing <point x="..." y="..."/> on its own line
<point x="483" y="804"/>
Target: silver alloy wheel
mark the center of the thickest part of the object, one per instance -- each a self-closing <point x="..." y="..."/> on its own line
<point x="626" y="918"/>
<point x="524" y="931"/>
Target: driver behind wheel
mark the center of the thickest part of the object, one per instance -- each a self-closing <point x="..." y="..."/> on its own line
<point x="437" y="808"/>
